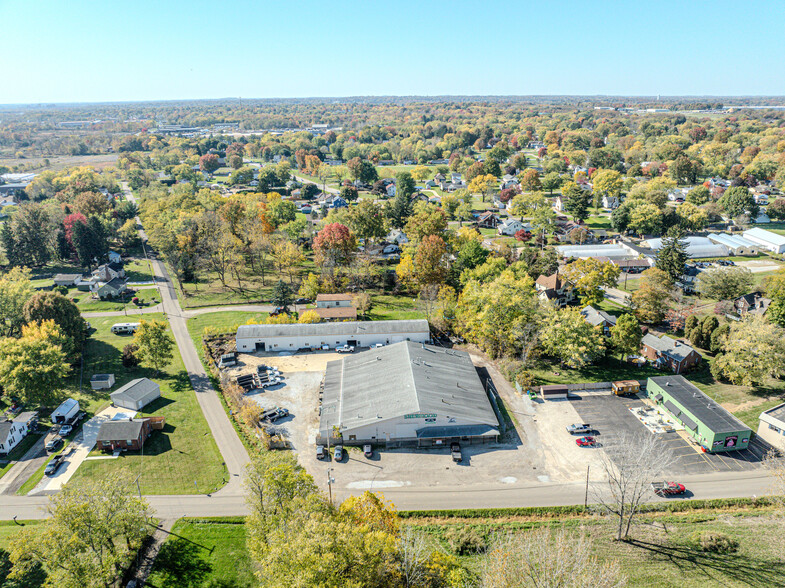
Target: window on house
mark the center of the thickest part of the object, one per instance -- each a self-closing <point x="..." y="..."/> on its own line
<point x="131" y="442"/>
<point x="773" y="428"/>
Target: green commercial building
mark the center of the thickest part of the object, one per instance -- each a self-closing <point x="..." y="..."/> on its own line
<point x="706" y="421"/>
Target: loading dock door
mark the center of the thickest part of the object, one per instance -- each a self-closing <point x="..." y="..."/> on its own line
<point x="260" y="346"/>
<point x="352" y="342"/>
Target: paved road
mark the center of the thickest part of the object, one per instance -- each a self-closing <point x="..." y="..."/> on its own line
<point x="617" y="296"/>
<point x="326" y="188"/>
<point x="229" y="502"/>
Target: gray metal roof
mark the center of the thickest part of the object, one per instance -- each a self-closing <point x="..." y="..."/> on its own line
<point x="597" y="317"/>
<point x="136" y="390"/>
<point x="400" y="379"/>
<point x="778" y="412"/>
<point x="120" y="430"/>
<point x="5" y="428"/>
<point x="700" y="406"/>
<point x="457" y="431"/>
<point x="101" y="377"/>
<point x="670" y="347"/>
<point x="325" y="329"/>
<point x="695" y="247"/>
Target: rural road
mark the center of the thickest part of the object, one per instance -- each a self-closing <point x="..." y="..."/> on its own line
<point x="326" y="188"/>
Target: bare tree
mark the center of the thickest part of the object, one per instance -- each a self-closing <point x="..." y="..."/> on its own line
<point x="428" y="297"/>
<point x="414" y="552"/>
<point x="362" y="302"/>
<point x="630" y="464"/>
<point x="547" y="559"/>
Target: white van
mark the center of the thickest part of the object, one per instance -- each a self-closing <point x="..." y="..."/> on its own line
<point x="124" y="328"/>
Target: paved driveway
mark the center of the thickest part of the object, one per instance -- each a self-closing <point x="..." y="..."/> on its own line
<point x="81" y="447"/>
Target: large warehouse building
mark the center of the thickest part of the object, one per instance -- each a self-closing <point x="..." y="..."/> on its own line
<point x="252" y="338"/>
<point x="704" y="420"/>
<point x="696" y="247"/>
<point x="766" y="239"/>
<point x="406" y="394"/>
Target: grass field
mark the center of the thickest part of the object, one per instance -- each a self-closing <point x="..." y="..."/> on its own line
<point x="202" y="552"/>
<point x="181" y="459"/>
<point x="225" y="321"/>
<point x="389" y="308"/>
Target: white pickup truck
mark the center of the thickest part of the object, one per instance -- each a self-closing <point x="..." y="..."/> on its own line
<point x="345" y="349"/>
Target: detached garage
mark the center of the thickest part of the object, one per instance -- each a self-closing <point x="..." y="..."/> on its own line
<point x="136" y="394"/>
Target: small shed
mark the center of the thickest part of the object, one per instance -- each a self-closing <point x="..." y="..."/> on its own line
<point x="554" y="391"/>
<point x="102" y="381"/>
<point x="623" y="387"/>
<point x="67" y="280"/>
<point x="136" y="394"/>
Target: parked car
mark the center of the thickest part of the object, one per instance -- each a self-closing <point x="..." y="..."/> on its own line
<point x="345" y="349"/>
<point x="54" y="444"/>
<point x="455" y="451"/>
<point x="368" y="450"/>
<point x="302" y="301"/>
<point x="54" y="465"/>
<point x="667" y="488"/>
<point x="278" y="414"/>
<point x="65" y="430"/>
<point x="278" y="310"/>
<point x="586" y="442"/>
<point x="377" y="345"/>
<point x="320" y="452"/>
<point x="338" y="453"/>
<point x="579" y="429"/>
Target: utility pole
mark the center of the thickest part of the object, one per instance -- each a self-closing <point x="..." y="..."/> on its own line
<point x="586" y="497"/>
<point x="330" y="481"/>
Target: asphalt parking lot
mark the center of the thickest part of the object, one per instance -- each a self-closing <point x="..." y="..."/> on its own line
<point x="611" y="415"/>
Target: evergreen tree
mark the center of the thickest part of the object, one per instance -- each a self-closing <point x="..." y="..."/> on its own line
<point x="672" y="256"/>
<point x="282" y="296"/>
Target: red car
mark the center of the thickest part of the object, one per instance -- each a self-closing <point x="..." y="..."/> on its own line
<point x="586" y="442"/>
<point x="667" y="488"/>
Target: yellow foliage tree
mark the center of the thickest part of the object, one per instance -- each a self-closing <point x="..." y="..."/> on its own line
<point x="309" y="317"/>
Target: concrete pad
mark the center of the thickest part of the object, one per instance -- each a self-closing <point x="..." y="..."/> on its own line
<point x="81" y="446"/>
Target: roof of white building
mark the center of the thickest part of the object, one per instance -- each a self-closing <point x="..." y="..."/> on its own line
<point x="732" y="241"/>
<point x="406" y="378"/>
<point x="340" y="329"/>
<point x="765" y="235"/>
<point x="604" y="250"/>
<point x="696" y="247"/>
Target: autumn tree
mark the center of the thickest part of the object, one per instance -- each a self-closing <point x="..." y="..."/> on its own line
<point x="653" y="296"/>
<point x="551" y="181"/>
<point x="607" y="182"/>
<point x="335" y="242"/>
<point x="430" y="261"/>
<point x="626" y="335"/>
<point x="566" y="335"/>
<point x="209" y="162"/>
<point x="94" y="530"/>
<point x="590" y="276"/>
<point x="426" y="220"/>
<point x="530" y="181"/>
<point x="725" y="283"/>
<point x="483" y="184"/>
<point x="154" y="344"/>
<point x="367" y="220"/>
<point x="753" y="351"/>
<point x="309" y="317"/>
<point x="44" y="306"/>
<point x="15" y="290"/>
<point x="33" y="366"/>
<point x="737" y="201"/>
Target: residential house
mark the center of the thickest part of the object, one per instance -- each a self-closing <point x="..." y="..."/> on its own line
<point x="610" y="202"/>
<point x="336" y="307"/>
<point x="391" y="189"/>
<point x="510" y="226"/>
<point x="115" y="257"/>
<point x="13" y="430"/>
<point x="753" y="303"/>
<point x="110" y="289"/>
<point x="559" y="204"/>
<point x="109" y="271"/>
<point x="488" y="220"/>
<point x="771" y="426"/>
<point x="555" y="288"/>
<point x="598" y="318"/>
<point x="67" y="280"/>
<point x="126" y="434"/>
<point x="665" y="352"/>
<point x="440" y="177"/>
<point x="397" y="236"/>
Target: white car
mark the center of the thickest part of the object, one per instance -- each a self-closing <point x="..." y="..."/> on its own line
<point x="345" y="349"/>
<point x="377" y="345"/>
<point x="65" y="430"/>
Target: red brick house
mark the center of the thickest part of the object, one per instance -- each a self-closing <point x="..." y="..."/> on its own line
<point x="665" y="352"/>
<point x="126" y="434"/>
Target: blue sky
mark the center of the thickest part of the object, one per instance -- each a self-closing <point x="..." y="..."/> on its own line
<point x="108" y="50"/>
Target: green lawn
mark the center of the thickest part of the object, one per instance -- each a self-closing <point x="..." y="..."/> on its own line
<point x="608" y="369"/>
<point x="181" y="459"/>
<point x="599" y="222"/>
<point x="138" y="270"/>
<point x="225" y="321"/>
<point x="86" y="302"/>
<point x="206" y="551"/>
<point x="388" y="308"/>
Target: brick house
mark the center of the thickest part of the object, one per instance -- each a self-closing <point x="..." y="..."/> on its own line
<point x="127" y="434"/>
<point x="666" y="352"/>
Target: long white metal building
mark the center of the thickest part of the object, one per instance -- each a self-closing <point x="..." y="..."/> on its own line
<point x="405" y="394"/>
<point x="252" y="338"/>
<point x="766" y="239"/>
<point x="736" y="244"/>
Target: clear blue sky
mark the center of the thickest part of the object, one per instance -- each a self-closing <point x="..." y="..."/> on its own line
<point x="107" y="50"/>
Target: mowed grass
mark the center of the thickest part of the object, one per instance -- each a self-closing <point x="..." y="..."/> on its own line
<point x="394" y="308"/>
<point x="214" y="546"/>
<point x="225" y="322"/>
<point x="181" y="459"/>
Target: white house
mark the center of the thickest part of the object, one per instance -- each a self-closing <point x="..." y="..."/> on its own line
<point x="12" y="431"/>
<point x="611" y="202"/>
<point x="510" y="226"/>
<point x="292" y="337"/>
<point x="766" y="239"/>
<point x="115" y="257"/>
